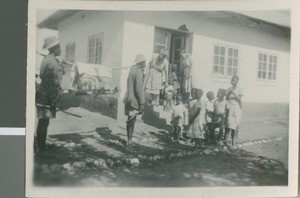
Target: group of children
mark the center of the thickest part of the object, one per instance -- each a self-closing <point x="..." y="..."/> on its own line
<point x="202" y="117"/>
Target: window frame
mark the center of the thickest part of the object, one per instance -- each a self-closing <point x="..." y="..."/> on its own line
<point x="226" y="61"/>
<point x="91" y="53"/>
<point x="267" y="66"/>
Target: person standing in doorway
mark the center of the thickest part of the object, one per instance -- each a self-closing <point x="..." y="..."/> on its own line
<point x="49" y="91"/>
<point x="157" y="75"/>
<point x="134" y="98"/>
<point x="186" y="75"/>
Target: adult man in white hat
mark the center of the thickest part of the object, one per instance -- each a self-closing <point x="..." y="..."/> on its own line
<point x="134" y="98"/>
<point x="49" y="91"/>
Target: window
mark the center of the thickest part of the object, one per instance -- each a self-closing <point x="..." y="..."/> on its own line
<point x="70" y="54"/>
<point x="95" y="46"/>
<point x="161" y="40"/>
<point x="267" y="66"/>
<point x="225" y="61"/>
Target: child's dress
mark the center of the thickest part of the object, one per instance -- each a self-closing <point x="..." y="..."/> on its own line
<point x="209" y="108"/>
<point x="169" y="92"/>
<point x="196" y="128"/>
<point x="179" y="113"/>
<point x="175" y="81"/>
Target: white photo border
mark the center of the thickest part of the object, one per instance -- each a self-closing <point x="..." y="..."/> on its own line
<point x="277" y="191"/>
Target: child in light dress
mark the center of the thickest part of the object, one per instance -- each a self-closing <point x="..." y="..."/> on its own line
<point x="179" y="118"/>
<point x="234" y="96"/>
<point x="221" y="109"/>
<point x="170" y="93"/>
<point x="209" y="113"/>
<point x="197" y="119"/>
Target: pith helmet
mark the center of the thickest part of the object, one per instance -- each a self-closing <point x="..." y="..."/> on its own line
<point x="50" y="42"/>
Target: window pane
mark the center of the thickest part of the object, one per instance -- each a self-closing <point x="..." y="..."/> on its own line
<point x="274" y="68"/>
<point x="265" y="58"/>
<point x="259" y="74"/>
<point x="221" y="70"/>
<point x="215" y="69"/>
<point x="260" y="66"/>
<point x="270" y="67"/>
<point x="223" y="51"/>
<point x="235" y="62"/>
<point x="217" y="51"/>
<point x="229" y="71"/>
<point x="264" y="66"/>
<point x="271" y="59"/>
<point x="160" y="38"/>
<point x="264" y="74"/>
<point x="260" y="57"/>
<point x="222" y="60"/>
<point x="216" y="60"/>
<point x="270" y="75"/>
<point x="236" y="53"/>
<point x="235" y="71"/>
<point x="274" y="76"/>
<point x="275" y="59"/>
<point x="230" y="52"/>
<point x="230" y="62"/>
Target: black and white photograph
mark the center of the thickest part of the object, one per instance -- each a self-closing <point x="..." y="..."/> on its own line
<point x="160" y="99"/>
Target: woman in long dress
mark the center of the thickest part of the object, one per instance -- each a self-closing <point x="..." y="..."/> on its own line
<point x="234" y="96"/>
<point x="157" y="75"/>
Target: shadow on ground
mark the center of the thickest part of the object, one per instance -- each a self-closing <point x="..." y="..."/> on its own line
<point x="66" y="152"/>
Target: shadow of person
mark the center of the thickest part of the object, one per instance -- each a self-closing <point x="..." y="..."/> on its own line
<point x="106" y="133"/>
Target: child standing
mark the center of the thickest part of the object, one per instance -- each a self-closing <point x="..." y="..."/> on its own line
<point x="209" y="113"/>
<point x="175" y="78"/>
<point x="169" y="94"/>
<point x="179" y="117"/>
<point x="234" y="96"/>
<point x="197" y="119"/>
<point x="220" y="113"/>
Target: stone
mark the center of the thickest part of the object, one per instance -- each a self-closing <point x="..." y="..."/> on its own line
<point x="134" y="162"/>
<point x="216" y="150"/>
<point x="79" y="165"/>
<point x="100" y="163"/>
<point x="118" y="163"/>
<point x="207" y="151"/>
<point x="89" y="161"/>
<point x="79" y="145"/>
<point x="67" y="166"/>
<point x="109" y="163"/>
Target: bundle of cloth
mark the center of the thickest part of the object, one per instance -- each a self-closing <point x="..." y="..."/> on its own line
<point x="91" y="77"/>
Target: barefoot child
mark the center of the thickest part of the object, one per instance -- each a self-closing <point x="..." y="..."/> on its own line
<point x="220" y="113"/>
<point x="209" y="112"/>
<point x="179" y="117"/>
<point x="197" y="119"/>
<point x="169" y="94"/>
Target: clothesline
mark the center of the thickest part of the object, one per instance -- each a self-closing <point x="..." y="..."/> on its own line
<point x="75" y="64"/>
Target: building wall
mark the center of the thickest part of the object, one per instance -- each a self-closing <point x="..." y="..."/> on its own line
<point x="83" y="24"/>
<point x="137" y="39"/>
<point x="216" y="25"/>
<point x="254" y="90"/>
<point x="208" y="31"/>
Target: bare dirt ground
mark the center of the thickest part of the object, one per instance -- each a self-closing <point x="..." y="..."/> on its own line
<point x="89" y="151"/>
